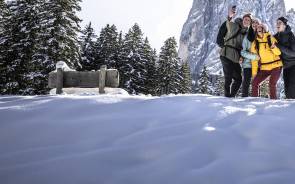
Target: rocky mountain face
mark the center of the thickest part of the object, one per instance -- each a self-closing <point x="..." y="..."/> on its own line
<point x="291" y="18"/>
<point x="197" y="42"/>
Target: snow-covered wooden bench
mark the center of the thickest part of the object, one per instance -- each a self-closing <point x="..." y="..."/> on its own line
<point x="64" y="77"/>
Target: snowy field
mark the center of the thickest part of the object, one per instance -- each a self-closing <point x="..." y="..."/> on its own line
<point x="120" y="139"/>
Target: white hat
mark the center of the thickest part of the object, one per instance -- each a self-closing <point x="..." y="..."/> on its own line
<point x="256" y="19"/>
<point x="264" y="26"/>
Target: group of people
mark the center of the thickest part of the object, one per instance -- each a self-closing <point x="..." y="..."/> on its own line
<point x="249" y="52"/>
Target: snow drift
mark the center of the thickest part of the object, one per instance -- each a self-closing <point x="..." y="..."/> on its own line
<point x="120" y="139"/>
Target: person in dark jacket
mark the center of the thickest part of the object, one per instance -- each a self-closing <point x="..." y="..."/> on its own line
<point x="286" y="43"/>
<point x="231" y="46"/>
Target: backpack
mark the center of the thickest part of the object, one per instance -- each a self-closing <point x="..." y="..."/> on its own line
<point x="257" y="49"/>
<point x="257" y="43"/>
<point x="233" y="36"/>
<point x="221" y="34"/>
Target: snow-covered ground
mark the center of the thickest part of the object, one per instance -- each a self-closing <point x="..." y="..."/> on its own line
<point x="120" y="139"/>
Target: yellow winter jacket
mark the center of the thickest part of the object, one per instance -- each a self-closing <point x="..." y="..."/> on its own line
<point x="267" y="55"/>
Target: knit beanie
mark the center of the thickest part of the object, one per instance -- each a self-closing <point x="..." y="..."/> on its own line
<point x="284" y="20"/>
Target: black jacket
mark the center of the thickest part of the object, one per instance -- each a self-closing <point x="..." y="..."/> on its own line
<point x="286" y="43"/>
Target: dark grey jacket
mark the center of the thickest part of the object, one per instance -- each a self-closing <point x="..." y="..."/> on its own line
<point x="233" y="41"/>
<point x="286" y="43"/>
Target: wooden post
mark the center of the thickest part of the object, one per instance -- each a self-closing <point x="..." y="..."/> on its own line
<point x="59" y="78"/>
<point x="102" y="79"/>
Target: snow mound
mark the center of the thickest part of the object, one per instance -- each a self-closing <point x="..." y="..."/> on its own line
<point x="121" y="139"/>
<point x="63" y="66"/>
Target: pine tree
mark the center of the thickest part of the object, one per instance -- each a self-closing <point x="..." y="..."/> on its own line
<point x="134" y="72"/>
<point x="149" y="57"/>
<point x="186" y="80"/>
<point x="168" y="69"/>
<point x="120" y="39"/>
<point x="40" y="34"/>
<point x="219" y="85"/>
<point x="21" y="44"/>
<point x="108" y="47"/>
<point x="204" y="86"/>
<point x="88" y="51"/>
<point x="120" y="62"/>
<point x="4" y="12"/>
<point x="60" y="28"/>
<point x="4" y="41"/>
<point x="57" y="40"/>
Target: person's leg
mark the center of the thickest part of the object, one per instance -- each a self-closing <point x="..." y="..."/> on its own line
<point x="274" y="77"/>
<point x="247" y="73"/>
<point x="227" y="70"/>
<point x="237" y="76"/>
<point x="286" y="82"/>
<point x="291" y="83"/>
<point x="260" y="77"/>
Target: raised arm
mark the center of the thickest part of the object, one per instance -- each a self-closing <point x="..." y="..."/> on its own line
<point x="230" y="25"/>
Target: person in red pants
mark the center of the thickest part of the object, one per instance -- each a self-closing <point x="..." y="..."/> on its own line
<point x="270" y="63"/>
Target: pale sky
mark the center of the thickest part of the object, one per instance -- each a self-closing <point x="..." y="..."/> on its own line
<point x="159" y="19"/>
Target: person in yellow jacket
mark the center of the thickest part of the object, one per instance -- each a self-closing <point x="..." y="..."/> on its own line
<point x="268" y="64"/>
